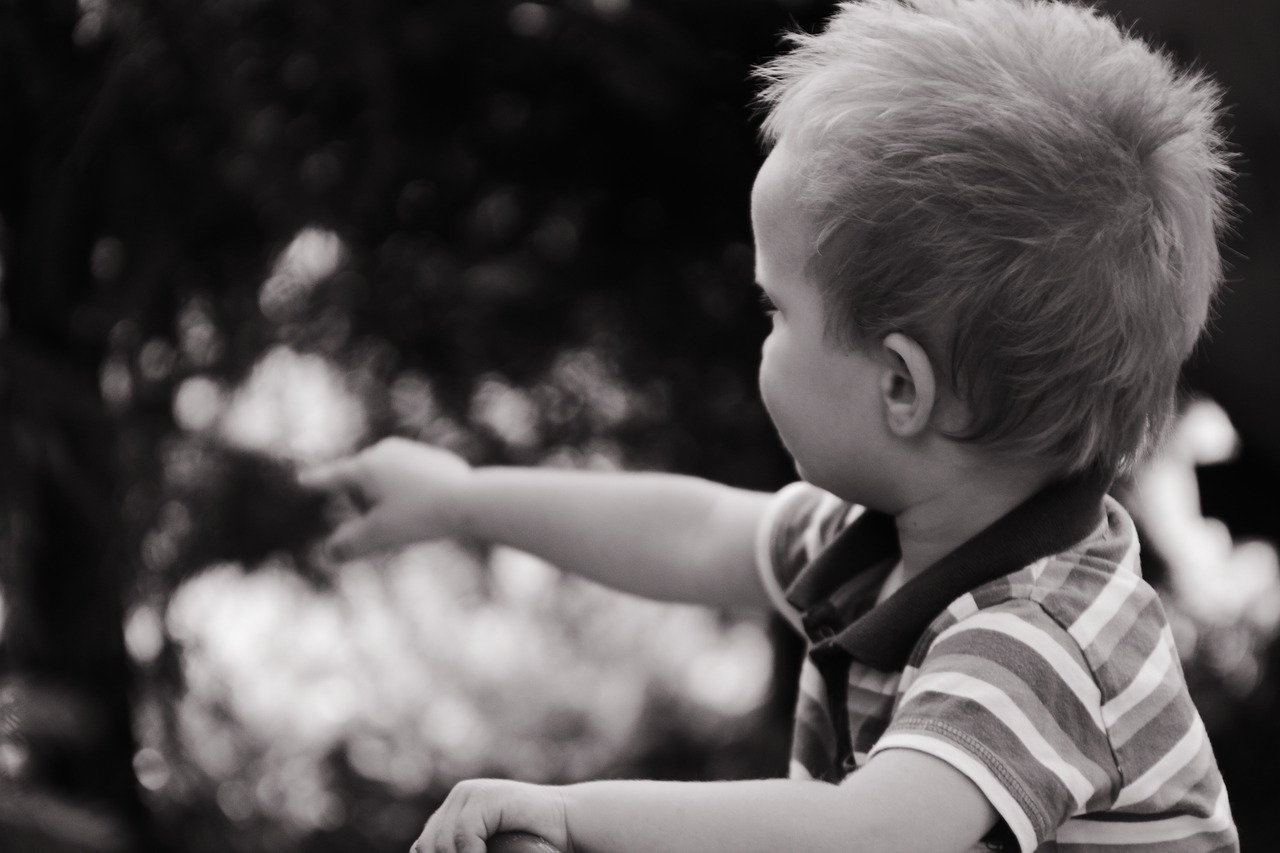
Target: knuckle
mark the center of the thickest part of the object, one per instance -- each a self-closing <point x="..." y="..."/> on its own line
<point x="457" y="794"/>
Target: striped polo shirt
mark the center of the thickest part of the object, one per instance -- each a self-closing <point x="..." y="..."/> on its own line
<point x="1034" y="659"/>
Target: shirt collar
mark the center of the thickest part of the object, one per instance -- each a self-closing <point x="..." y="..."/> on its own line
<point x="1048" y="522"/>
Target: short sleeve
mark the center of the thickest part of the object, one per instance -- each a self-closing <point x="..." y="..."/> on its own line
<point x="798" y="524"/>
<point x="1005" y="696"/>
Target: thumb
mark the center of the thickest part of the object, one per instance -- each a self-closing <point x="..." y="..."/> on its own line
<point x="356" y="537"/>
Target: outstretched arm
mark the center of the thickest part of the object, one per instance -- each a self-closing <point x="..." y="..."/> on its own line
<point x="903" y="801"/>
<point x="663" y="536"/>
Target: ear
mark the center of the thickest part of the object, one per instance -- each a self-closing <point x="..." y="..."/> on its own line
<point x="907" y="386"/>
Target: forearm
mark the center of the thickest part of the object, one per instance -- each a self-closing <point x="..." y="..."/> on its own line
<point x="659" y="535"/>
<point x="761" y="816"/>
<point x="901" y="801"/>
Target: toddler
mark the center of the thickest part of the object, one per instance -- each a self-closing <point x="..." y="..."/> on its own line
<point x="986" y="231"/>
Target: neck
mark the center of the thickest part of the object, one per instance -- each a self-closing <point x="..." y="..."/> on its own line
<point x="954" y="509"/>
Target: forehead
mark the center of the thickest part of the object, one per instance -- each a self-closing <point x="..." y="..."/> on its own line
<point x="774" y="184"/>
<point x="776" y="215"/>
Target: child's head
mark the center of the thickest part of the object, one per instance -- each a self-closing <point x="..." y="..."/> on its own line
<point x="1028" y="193"/>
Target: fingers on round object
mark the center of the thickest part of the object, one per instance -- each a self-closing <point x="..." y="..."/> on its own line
<point x="520" y="842"/>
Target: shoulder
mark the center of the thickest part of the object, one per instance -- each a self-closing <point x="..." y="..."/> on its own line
<point x="1058" y="688"/>
<point x="1093" y="596"/>
<point x="1089" y="637"/>
<point x="800" y="522"/>
<point x="1072" y="630"/>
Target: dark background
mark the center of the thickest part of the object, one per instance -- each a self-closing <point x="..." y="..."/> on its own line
<point x="536" y="204"/>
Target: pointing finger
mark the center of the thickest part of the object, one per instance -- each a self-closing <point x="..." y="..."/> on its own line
<point x="329" y="477"/>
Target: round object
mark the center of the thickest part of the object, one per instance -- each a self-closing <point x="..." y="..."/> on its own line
<point x="519" y="842"/>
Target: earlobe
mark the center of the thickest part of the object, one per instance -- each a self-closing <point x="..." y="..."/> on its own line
<point x="907" y="387"/>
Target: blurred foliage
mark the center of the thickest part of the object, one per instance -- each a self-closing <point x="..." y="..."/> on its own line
<point x="239" y="236"/>
<point x="514" y="229"/>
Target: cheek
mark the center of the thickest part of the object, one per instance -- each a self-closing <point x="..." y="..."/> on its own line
<point x="778" y="389"/>
<point x="768" y="368"/>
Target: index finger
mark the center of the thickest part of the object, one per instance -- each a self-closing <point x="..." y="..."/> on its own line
<point x="329" y="476"/>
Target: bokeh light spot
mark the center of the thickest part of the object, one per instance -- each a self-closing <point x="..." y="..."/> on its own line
<point x="116" y="383"/>
<point x="198" y="403"/>
<point x="310" y="257"/>
<point x="151" y="769"/>
<point x="198" y="337"/>
<point x="295" y="407"/>
<point x="528" y="19"/>
<point x="144" y="634"/>
<point x="156" y="360"/>
<point x="106" y="261"/>
<point x="508" y="411"/>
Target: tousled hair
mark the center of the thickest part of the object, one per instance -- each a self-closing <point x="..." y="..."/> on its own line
<point x="1028" y="191"/>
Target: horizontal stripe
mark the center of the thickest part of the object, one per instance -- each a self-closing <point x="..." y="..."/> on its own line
<point x="998" y="703"/>
<point x="1129" y="562"/>
<point x="1147" y="726"/>
<point x="1151" y="674"/>
<point x="1104" y="608"/>
<point x="1053" y="577"/>
<point x="767" y="542"/>
<point x="868" y="703"/>
<point x="963" y="607"/>
<point x="978" y="773"/>
<point x="1148" y="744"/>
<point x="1158" y="831"/>
<point x="1126" y="640"/>
<point x="1056" y="715"/>
<point x="868" y="732"/>
<point x="797" y="770"/>
<point x="812" y="685"/>
<point x="1166" y="707"/>
<point x="813" y="746"/>
<point x="909" y="674"/>
<point x="1033" y="712"/>
<point x="813" y="536"/>
<point x="1064" y="665"/>
<point x="1160" y="773"/>
<point x="866" y="678"/>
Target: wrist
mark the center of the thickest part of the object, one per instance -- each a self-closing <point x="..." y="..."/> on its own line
<point x="571" y="808"/>
<point x="467" y="504"/>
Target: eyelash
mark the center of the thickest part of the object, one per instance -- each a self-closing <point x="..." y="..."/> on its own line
<point x="769" y="307"/>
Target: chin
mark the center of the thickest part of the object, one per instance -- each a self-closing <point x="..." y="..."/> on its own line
<point x="806" y="475"/>
<point x="819" y="481"/>
<point x="850" y="492"/>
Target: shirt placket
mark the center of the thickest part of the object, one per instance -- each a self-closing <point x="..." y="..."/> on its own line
<point x="833" y="664"/>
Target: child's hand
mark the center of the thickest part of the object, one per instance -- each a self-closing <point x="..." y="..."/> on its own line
<point x="405" y="492"/>
<point x="481" y="808"/>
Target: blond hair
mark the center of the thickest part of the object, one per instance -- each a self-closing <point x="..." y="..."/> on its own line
<point x="1027" y="190"/>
